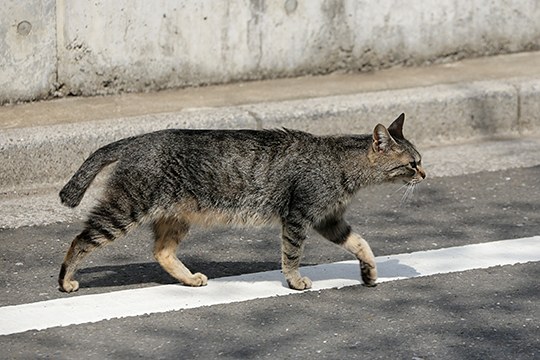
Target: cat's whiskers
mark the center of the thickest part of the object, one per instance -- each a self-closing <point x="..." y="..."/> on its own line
<point x="401" y="187"/>
<point x="409" y="191"/>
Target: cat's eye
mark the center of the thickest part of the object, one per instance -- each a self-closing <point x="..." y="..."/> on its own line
<point x="413" y="164"/>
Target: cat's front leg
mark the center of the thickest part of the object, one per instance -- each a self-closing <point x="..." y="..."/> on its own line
<point x="292" y="246"/>
<point x="339" y="232"/>
<point x="361" y="249"/>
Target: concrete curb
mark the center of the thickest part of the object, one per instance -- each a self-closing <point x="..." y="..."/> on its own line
<point x="42" y="206"/>
<point x="44" y="155"/>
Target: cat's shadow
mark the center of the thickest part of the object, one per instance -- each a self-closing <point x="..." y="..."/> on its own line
<point x="151" y="272"/>
<point x="144" y="273"/>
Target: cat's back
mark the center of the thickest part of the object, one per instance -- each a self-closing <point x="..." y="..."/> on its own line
<point x="219" y="143"/>
<point x="243" y="137"/>
<point x="218" y="153"/>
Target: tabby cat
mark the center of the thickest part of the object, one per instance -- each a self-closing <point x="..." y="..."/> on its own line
<point x="175" y="178"/>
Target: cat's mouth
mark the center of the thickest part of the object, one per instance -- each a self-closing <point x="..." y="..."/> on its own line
<point x="414" y="181"/>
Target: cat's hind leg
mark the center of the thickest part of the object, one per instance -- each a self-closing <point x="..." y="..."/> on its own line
<point x="169" y="232"/>
<point x="104" y="225"/>
<point x="81" y="246"/>
<point x="339" y="232"/>
<point x="292" y="246"/>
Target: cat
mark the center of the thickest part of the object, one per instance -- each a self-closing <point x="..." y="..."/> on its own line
<point x="175" y="178"/>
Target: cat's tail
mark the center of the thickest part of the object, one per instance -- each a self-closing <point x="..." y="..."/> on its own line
<point x="73" y="192"/>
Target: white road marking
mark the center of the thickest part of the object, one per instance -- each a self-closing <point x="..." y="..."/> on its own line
<point x="92" y="308"/>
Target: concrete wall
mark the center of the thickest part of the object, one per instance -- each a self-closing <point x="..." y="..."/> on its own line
<point x="100" y="47"/>
<point x="27" y="49"/>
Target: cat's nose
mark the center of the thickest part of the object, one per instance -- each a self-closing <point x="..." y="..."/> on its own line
<point x="421" y="172"/>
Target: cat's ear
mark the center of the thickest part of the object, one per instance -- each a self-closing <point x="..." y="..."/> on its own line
<point x="382" y="140"/>
<point x="396" y="128"/>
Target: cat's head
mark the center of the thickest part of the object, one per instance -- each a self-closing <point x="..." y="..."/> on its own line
<point x="394" y="155"/>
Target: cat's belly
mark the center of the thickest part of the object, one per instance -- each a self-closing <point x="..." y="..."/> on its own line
<point x="211" y="216"/>
<point x="241" y="218"/>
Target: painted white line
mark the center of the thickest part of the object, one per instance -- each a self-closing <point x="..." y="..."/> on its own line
<point x="118" y="304"/>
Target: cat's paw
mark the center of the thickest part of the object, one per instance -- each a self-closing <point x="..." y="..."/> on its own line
<point x="369" y="274"/>
<point x="197" y="280"/>
<point x="69" y="286"/>
<point x="302" y="283"/>
<point x="369" y="283"/>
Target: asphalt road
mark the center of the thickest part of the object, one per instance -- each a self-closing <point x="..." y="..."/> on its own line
<point x="477" y="314"/>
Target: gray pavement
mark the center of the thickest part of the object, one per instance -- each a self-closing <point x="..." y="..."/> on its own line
<point x="444" y="212"/>
<point x="476" y="314"/>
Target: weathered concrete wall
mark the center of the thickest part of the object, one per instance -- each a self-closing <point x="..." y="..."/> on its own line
<point x="126" y="45"/>
<point x="27" y="49"/>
